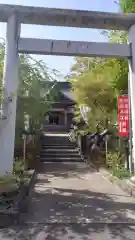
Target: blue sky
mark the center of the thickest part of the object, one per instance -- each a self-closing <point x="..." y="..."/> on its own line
<point x="62" y="64"/>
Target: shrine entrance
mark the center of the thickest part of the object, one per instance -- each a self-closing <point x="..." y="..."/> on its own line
<point x="16" y="15"/>
<point x="54" y="118"/>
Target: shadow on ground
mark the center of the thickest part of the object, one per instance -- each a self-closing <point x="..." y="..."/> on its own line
<point x="64" y="170"/>
<point x="57" y="213"/>
<point x="64" y="215"/>
<point x="70" y="232"/>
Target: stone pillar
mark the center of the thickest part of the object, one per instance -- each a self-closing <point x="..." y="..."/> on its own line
<point x="131" y="38"/>
<point x="10" y="82"/>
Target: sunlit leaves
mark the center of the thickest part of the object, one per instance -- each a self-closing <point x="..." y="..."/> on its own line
<point x="127" y="6"/>
<point x="97" y="82"/>
<point x="33" y="100"/>
<point x="32" y="76"/>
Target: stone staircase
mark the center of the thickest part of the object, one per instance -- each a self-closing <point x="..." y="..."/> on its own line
<point x="54" y="128"/>
<point x="56" y="147"/>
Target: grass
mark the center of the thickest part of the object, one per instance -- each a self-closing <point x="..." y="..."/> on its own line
<point x="11" y="182"/>
<point x="8" y="183"/>
<point x="120" y="172"/>
<point x="116" y="166"/>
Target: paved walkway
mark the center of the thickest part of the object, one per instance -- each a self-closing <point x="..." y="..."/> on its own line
<point x="71" y="202"/>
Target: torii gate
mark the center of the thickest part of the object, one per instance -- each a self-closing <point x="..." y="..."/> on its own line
<point x="14" y="15"/>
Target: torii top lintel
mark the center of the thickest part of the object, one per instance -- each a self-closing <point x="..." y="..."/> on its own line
<point x="67" y="17"/>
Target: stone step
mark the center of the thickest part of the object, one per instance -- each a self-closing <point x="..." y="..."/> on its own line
<point x="61" y="160"/>
<point x="44" y="155"/>
<point x="56" y="136"/>
<point x="59" y="150"/>
<point x="57" y="145"/>
<point x="62" y="141"/>
<point x="56" y="140"/>
<point x="52" y="153"/>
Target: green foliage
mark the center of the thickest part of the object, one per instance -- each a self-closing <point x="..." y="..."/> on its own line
<point x="117" y="36"/>
<point x="97" y="82"/>
<point x="83" y="65"/>
<point x="32" y="77"/>
<point x="127" y="6"/>
<point x="115" y="162"/>
<point x="7" y="179"/>
<point x="33" y="100"/>
<point x="18" y="167"/>
<point x="96" y="89"/>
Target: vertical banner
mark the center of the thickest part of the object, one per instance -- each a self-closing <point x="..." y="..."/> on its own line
<point x="123" y="116"/>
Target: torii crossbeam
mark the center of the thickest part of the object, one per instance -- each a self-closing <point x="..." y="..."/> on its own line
<point x="15" y="15"/>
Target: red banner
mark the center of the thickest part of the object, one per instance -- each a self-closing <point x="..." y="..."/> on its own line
<point x="123" y="116"/>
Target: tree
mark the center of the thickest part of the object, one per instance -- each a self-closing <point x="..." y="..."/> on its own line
<point x="127" y="6"/>
<point x="81" y="65"/>
<point x="95" y="89"/>
<point x="30" y="103"/>
<point x="33" y="100"/>
<point x="88" y="83"/>
<point x="99" y="87"/>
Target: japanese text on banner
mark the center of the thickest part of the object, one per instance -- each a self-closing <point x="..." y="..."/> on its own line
<point x="123" y="116"/>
